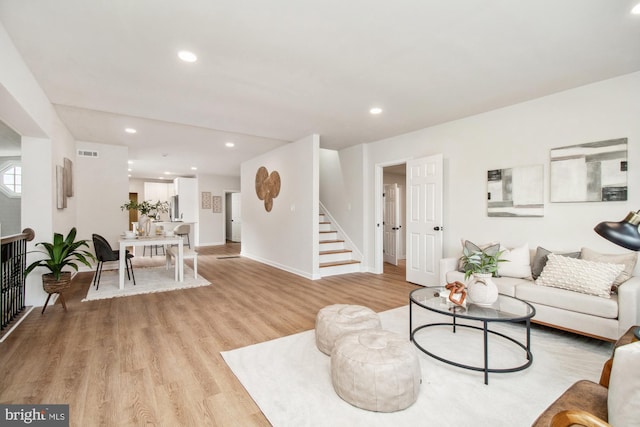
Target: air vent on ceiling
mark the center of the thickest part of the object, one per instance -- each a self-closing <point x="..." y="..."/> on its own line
<point x="87" y="153"/>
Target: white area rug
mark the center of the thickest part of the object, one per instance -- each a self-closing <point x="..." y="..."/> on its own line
<point x="290" y="379"/>
<point x="148" y="280"/>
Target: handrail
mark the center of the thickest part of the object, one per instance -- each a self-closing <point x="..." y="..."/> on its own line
<point x="27" y="234"/>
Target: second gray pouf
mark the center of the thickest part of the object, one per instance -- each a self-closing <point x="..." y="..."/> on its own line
<point x="376" y="370"/>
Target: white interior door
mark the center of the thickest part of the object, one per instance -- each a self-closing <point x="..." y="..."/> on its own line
<point x="391" y="223"/>
<point x="424" y="219"/>
<point x="236" y="219"/>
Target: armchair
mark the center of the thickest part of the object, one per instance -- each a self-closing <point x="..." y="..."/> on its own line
<point x="589" y="404"/>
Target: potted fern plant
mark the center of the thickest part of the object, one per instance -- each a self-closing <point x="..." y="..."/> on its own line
<point x="61" y="253"/>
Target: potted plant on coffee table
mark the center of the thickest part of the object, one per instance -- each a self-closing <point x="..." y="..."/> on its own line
<point x="62" y="252"/>
<point x="482" y="265"/>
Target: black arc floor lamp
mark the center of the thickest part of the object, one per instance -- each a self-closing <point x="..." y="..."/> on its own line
<point x="624" y="233"/>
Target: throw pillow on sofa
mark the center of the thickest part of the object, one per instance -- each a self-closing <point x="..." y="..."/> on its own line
<point x="587" y="277"/>
<point x="517" y="262"/>
<point x="540" y="259"/>
<point x="629" y="260"/>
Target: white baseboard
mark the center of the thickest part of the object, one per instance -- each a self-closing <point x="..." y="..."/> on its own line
<point x="286" y="268"/>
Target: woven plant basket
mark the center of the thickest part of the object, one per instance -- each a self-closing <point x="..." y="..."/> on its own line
<point x="53" y="286"/>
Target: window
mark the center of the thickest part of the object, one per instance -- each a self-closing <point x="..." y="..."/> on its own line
<point x="11" y="179"/>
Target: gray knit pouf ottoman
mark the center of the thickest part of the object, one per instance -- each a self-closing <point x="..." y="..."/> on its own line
<point x="376" y="370"/>
<point x="335" y="320"/>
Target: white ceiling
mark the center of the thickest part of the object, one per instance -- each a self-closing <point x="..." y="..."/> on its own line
<point x="270" y="72"/>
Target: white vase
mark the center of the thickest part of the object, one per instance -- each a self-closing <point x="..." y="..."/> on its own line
<point x="144" y="225"/>
<point x="481" y="290"/>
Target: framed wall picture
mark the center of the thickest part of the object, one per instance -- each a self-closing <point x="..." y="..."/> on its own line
<point x="590" y="172"/>
<point x="217" y="204"/>
<point x="206" y="200"/>
<point x="517" y="191"/>
<point x="61" y="197"/>
<point x="68" y="177"/>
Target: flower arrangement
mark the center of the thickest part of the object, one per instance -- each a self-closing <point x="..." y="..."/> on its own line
<point x="150" y="209"/>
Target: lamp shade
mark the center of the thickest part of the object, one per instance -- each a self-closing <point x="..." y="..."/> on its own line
<point x="624" y="233"/>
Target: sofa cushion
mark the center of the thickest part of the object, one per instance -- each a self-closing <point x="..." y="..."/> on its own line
<point x="629" y="260"/>
<point x="517" y="262"/>
<point x="568" y="300"/>
<point x="594" y="278"/>
<point x="540" y="260"/>
<point x="624" y="386"/>
<point x="506" y="285"/>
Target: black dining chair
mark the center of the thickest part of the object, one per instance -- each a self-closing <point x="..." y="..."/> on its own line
<point x="105" y="253"/>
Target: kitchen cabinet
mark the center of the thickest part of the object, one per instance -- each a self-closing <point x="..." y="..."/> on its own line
<point x="154" y="191"/>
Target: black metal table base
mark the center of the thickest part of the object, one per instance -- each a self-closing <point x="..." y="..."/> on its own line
<point x="486" y="369"/>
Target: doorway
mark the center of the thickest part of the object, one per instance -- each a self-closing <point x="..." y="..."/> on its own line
<point x="394" y="232"/>
<point x="133" y="213"/>
<point x="422" y="219"/>
<point x="233" y="217"/>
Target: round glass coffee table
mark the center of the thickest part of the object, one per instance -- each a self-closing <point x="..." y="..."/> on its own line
<point x="505" y="309"/>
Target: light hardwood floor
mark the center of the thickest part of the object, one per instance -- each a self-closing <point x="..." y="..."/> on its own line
<point x="155" y="359"/>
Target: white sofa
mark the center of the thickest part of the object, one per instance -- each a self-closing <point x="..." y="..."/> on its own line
<point x="595" y="316"/>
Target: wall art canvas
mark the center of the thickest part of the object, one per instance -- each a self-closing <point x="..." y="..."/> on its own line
<point x="68" y="177"/>
<point x="217" y="204"/>
<point x="61" y="197"/>
<point x="590" y="172"/>
<point x="206" y="200"/>
<point x="516" y="192"/>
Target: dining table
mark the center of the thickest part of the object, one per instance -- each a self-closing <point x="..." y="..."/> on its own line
<point x="125" y="242"/>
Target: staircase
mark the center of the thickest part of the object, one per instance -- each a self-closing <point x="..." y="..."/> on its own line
<point x="335" y="258"/>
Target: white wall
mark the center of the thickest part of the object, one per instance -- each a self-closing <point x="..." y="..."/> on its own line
<point x="45" y="143"/>
<point x="287" y="237"/>
<point x="37" y="206"/>
<point x="521" y="135"/>
<point x="101" y="185"/>
<point x="212" y="225"/>
<point x="341" y="177"/>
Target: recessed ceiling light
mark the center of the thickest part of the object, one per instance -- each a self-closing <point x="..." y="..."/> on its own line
<point x="187" y="56"/>
<point x="161" y="177"/>
<point x="193" y="168"/>
<point x="167" y="173"/>
<point x="636" y="9"/>
<point x="129" y="170"/>
<point x="130" y="162"/>
<point x="129" y="175"/>
<point x="229" y="144"/>
<point x="375" y="110"/>
<point x="130" y="130"/>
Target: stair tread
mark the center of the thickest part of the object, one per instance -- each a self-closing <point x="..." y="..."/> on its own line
<point x="336" y="263"/>
<point x="332" y="241"/>
<point x="336" y="251"/>
<point x="325" y="222"/>
<point x="327" y="231"/>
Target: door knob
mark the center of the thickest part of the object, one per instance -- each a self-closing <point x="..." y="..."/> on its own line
<point x="436" y="228"/>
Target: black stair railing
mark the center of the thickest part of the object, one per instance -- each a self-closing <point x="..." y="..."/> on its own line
<point x="13" y="261"/>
